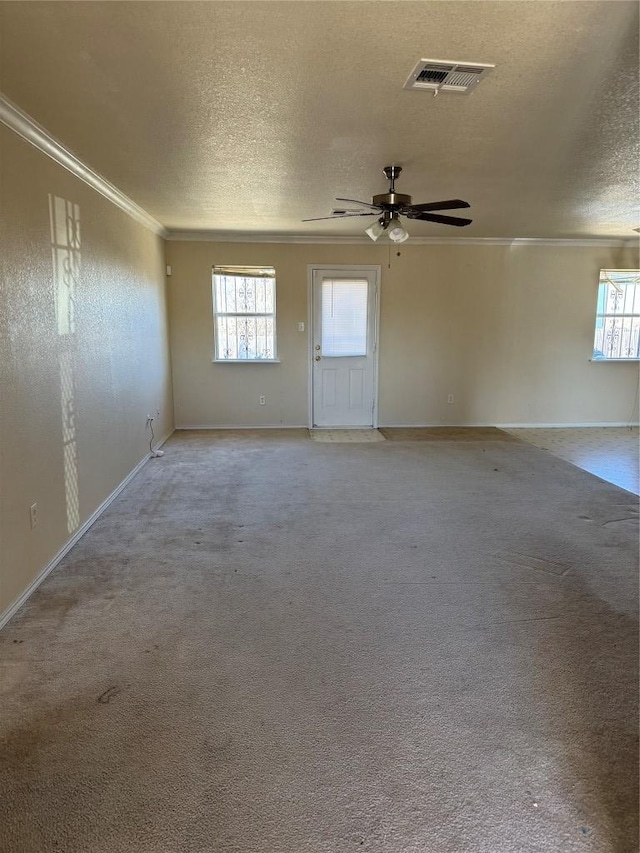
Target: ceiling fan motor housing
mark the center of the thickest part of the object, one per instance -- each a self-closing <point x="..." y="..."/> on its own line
<point x="391" y="201"/>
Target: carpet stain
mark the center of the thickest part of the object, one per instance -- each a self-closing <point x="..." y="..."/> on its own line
<point x="530" y="619"/>
<point x="538" y="564"/>
<point x="108" y="695"/>
<point x="59" y="605"/>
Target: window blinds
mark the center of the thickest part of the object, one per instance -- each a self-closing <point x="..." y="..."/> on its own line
<point x="344" y="317"/>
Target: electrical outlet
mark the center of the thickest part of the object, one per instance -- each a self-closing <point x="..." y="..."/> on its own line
<point x="263" y="400"/>
<point x="33" y="512"/>
<point x="450" y="398"/>
<point x="149" y="421"/>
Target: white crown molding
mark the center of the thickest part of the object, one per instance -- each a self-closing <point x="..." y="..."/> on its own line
<point x="250" y="237"/>
<point x="261" y="237"/>
<point x="28" y="128"/>
<point x="615" y="242"/>
<point x="21" y="123"/>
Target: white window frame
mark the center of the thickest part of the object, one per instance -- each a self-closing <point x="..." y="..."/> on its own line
<point x="607" y="279"/>
<point x="251" y="272"/>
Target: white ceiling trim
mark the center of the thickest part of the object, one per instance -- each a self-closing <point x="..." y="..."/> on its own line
<point x="28" y="128"/>
<point x="250" y="237"/>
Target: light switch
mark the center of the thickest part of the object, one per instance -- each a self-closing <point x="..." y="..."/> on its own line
<point x="301" y="327"/>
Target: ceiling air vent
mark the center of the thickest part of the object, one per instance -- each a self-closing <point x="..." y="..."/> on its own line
<point x="437" y="75"/>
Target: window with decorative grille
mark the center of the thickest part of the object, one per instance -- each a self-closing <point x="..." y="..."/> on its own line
<point x="617" y="336"/>
<point x="244" y="309"/>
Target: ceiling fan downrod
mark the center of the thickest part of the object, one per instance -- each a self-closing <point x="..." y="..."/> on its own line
<point x="391" y="173"/>
<point x="392" y="200"/>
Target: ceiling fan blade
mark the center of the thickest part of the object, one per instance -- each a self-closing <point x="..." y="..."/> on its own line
<point x="443" y="220"/>
<point x="361" y="203"/>
<point x="340" y="216"/>
<point x="451" y="204"/>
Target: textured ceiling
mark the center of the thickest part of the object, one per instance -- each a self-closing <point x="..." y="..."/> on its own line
<point x="249" y="116"/>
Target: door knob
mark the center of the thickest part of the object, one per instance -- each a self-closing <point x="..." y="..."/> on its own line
<point x="317" y="346"/>
<point x="318" y="357"/>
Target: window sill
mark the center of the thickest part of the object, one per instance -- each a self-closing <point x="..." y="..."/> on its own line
<point x="245" y="361"/>
<point x="614" y="360"/>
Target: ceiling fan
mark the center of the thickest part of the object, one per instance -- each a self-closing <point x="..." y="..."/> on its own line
<point x="390" y="206"/>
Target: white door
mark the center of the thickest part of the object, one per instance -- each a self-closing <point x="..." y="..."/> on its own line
<point x="344" y="314"/>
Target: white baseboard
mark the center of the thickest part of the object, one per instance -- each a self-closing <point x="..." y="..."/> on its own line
<point x="536" y="425"/>
<point x="432" y="426"/>
<point x="600" y="424"/>
<point x="35" y="583"/>
<point x="572" y="424"/>
<point x="242" y="426"/>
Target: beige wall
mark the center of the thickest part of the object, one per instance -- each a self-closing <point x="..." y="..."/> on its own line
<point x="111" y="365"/>
<point x="508" y="330"/>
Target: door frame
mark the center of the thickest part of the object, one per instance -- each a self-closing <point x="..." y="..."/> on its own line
<point x="348" y="268"/>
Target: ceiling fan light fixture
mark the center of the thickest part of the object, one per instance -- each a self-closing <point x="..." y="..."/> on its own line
<point x="396" y="232"/>
<point x="376" y="230"/>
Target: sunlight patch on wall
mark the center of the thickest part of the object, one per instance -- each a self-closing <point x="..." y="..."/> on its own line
<point x="65" y="242"/>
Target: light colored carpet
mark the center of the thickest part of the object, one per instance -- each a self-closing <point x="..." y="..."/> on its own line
<point x="269" y="644"/>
